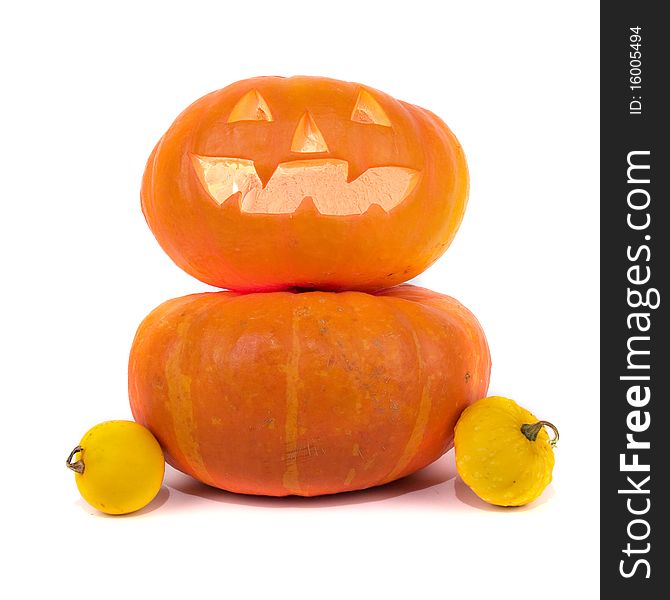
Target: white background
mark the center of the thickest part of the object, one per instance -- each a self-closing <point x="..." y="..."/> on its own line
<point x="88" y="89"/>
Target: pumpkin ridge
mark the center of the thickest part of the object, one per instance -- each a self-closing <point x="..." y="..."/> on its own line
<point x="421" y="422"/>
<point x="179" y="398"/>
<point x="290" y="477"/>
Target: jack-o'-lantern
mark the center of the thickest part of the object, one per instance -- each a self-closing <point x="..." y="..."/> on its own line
<point x="273" y="183"/>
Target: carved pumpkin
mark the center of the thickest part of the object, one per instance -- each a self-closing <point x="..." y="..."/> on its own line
<point x="273" y="183"/>
<point x="306" y="393"/>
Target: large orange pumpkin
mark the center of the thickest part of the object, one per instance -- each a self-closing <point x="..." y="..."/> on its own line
<point x="306" y="393"/>
<point x="273" y="183"/>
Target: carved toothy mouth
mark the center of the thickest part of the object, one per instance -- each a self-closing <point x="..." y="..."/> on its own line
<point x="322" y="180"/>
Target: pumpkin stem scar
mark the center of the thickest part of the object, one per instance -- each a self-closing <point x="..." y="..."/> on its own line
<point x="531" y="431"/>
<point x="78" y="466"/>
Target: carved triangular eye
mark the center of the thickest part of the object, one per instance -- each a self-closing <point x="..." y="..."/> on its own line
<point x="307" y="137"/>
<point x="368" y="110"/>
<point x="251" y="107"/>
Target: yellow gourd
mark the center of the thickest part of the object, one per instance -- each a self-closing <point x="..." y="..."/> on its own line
<point x="503" y="452"/>
<point x="119" y="467"/>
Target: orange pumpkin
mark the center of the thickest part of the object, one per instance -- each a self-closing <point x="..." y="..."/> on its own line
<point x="273" y="183"/>
<point x="306" y="393"/>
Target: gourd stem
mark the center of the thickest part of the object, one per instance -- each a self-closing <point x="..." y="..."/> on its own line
<point x="531" y="431"/>
<point x="78" y="466"/>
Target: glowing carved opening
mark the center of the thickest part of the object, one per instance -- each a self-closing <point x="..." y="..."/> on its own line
<point x="307" y="137"/>
<point x="322" y="180"/>
<point x="368" y="110"/>
<point x="250" y="107"/>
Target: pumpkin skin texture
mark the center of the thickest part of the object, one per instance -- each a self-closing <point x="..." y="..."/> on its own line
<point x="306" y="393"/>
<point x="378" y="187"/>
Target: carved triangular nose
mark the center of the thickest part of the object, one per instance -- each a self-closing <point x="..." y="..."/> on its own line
<point x="307" y="137"/>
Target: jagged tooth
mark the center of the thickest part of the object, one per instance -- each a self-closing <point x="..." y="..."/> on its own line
<point x="307" y="206"/>
<point x="265" y="173"/>
<point x="355" y="171"/>
<point x="233" y="203"/>
<point x="375" y="210"/>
